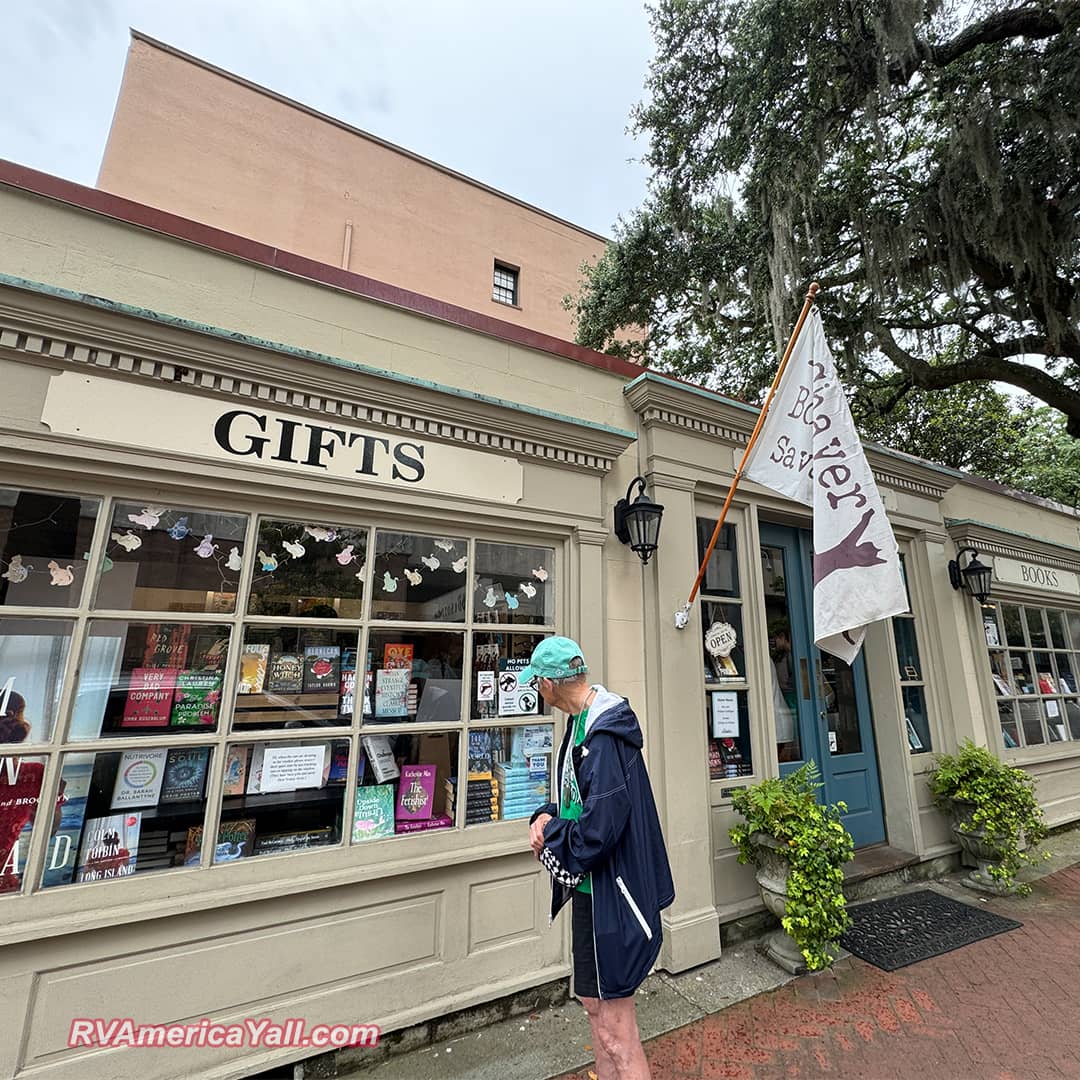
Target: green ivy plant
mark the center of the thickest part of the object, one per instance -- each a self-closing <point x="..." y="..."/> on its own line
<point x="1005" y="811"/>
<point x="814" y="843"/>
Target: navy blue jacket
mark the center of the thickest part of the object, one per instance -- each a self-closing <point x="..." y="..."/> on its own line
<point x="617" y="840"/>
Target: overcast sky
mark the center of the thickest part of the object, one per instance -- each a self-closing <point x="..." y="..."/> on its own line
<point x="531" y="98"/>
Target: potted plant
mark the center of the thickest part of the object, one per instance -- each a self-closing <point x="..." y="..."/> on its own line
<point x="798" y="848"/>
<point x="995" y="816"/>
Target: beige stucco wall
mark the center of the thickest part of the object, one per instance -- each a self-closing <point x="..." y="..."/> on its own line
<point x="192" y="140"/>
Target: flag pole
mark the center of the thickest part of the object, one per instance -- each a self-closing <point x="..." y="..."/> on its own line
<point x="682" y="616"/>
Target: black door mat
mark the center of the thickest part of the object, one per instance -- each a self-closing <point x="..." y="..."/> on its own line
<point x="902" y="930"/>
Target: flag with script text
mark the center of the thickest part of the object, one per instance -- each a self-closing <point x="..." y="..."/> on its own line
<point x="810" y="451"/>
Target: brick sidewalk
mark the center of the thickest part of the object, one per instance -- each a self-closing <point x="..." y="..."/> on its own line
<point x="1005" y="1008"/>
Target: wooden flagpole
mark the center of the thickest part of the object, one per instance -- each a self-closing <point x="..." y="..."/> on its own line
<point x="682" y="616"/>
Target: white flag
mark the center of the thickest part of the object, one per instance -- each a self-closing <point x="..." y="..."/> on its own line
<point x="810" y="451"/>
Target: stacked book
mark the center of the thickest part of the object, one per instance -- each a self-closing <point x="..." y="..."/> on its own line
<point x="481" y="800"/>
<point x="521" y="790"/>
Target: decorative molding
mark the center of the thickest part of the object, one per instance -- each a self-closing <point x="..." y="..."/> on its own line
<point x="63" y="332"/>
<point x="592" y="537"/>
<point x="986" y="538"/>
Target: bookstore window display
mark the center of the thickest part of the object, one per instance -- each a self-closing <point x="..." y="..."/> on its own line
<point x="20" y="790"/>
<point x="909" y="669"/>
<point x="413" y="676"/>
<point x="33" y="658"/>
<point x="1034" y="655"/>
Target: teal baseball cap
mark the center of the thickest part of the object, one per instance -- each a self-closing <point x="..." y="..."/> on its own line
<point x="552" y="658"/>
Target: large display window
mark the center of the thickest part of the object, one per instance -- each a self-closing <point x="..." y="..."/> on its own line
<point x="283" y="685"/>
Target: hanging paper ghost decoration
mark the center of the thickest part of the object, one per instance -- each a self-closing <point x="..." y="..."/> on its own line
<point x="540" y="574"/>
<point x="16" y="572"/>
<point x="128" y="541"/>
<point x="528" y="588"/>
<point x="269" y="562"/>
<point x="206" y="548"/>
<point x="359" y="575"/>
<point x="490" y="599"/>
<point x="445" y="545"/>
<point x="180" y="529"/>
<point x="319" y="532"/>
<point x="458" y="565"/>
<point x="389" y="583"/>
<point x="345" y="555"/>
<point x="431" y="561"/>
<point x="233" y="561"/>
<point x="149" y="517"/>
<point x="414" y="577"/>
<point x="60" y="574"/>
<point x="106" y="564"/>
<point x="511" y="601"/>
<point x="294" y="548"/>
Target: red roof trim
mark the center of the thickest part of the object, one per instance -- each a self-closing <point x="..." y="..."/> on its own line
<point x="240" y="247"/>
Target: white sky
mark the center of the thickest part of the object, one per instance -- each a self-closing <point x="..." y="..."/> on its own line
<point x="531" y="98"/>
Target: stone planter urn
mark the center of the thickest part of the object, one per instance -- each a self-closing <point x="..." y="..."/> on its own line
<point x="979" y="849"/>
<point x="772" y="875"/>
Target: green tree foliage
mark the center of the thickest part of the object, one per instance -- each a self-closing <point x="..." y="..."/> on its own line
<point x="920" y="159"/>
<point x="1047" y="460"/>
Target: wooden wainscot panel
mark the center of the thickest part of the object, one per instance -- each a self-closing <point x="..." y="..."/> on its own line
<point x="503" y="911"/>
<point x="221" y="975"/>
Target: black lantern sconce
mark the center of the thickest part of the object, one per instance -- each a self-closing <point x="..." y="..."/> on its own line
<point x="974" y="578"/>
<point x="637" y="523"/>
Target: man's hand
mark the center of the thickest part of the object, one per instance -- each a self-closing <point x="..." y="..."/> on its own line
<point x="536" y="834"/>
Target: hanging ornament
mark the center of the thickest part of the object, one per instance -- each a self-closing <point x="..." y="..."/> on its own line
<point x="445" y="545"/>
<point x="206" y="548"/>
<point x="319" y="532"/>
<point x="345" y="555"/>
<point x="61" y="575"/>
<point x="233" y="561"/>
<point x="540" y="574"/>
<point x="458" y="565"/>
<point x="128" y="541"/>
<point x="431" y="561"/>
<point x="16" y="572"/>
<point x="359" y="575"/>
<point x="720" y="639"/>
<point x="294" y="548"/>
<point x="414" y="577"/>
<point x="511" y="601"/>
<point x="269" y="562"/>
<point x="180" y="529"/>
<point x="528" y="588"/>
<point x="149" y="517"/>
<point x="490" y="599"/>
<point x="389" y="583"/>
<point x="106" y="564"/>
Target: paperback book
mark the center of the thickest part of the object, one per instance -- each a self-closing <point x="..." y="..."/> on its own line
<point x="285" y="674"/>
<point x="381" y="756"/>
<point x="149" y="697"/>
<point x="109" y="847"/>
<point x="439" y="821"/>
<point x="416" y="793"/>
<point x="236" y="761"/>
<point x="196" y="700"/>
<point x="166" y="645"/>
<point x="185" y="774"/>
<point x="139" y="777"/>
<point x="253" y="660"/>
<point x="373" y="812"/>
<point x="235" y="840"/>
<point x="322" y="668"/>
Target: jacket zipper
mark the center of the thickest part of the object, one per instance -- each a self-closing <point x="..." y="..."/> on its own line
<point x="633" y="907"/>
<point x="595" y="951"/>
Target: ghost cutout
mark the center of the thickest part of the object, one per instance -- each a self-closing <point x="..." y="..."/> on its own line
<point x="359" y="575"/>
<point x="345" y="555"/>
<point x="149" y="516"/>
<point x="511" y="601"/>
<point x="414" y="577"/>
<point x="16" y="572"/>
<point x="294" y="548"/>
<point x="458" y="565"/>
<point x="128" y="541"/>
<point x="269" y="562"/>
<point x="540" y="574"/>
<point x="528" y="588"/>
<point x="389" y="583"/>
<point x="319" y="532"/>
<point x="233" y="561"/>
<point x="490" y="598"/>
<point x="445" y="545"/>
<point x="431" y="561"/>
<point x="180" y="529"/>
<point x="61" y="575"/>
<point x="206" y="548"/>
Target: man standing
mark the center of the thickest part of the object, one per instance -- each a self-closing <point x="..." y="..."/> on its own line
<point x="605" y="852"/>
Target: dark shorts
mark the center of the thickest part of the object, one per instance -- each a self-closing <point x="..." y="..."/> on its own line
<point x="586" y="981"/>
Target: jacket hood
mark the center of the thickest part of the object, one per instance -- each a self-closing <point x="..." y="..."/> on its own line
<point x="612" y="714"/>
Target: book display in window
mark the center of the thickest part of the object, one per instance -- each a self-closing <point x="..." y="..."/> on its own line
<point x="109" y="847"/>
<point x="522" y="786"/>
<point x="236" y="763"/>
<point x="322" y="668"/>
<point x="64" y="843"/>
<point x="373" y="812"/>
<point x="166" y="645"/>
<point x="235" y="840"/>
<point x="381" y="756"/>
<point x="282" y="843"/>
<point x="285" y="674"/>
<point x="391" y="692"/>
<point x="416" y="793"/>
<point x="149" y="697"/>
<point x="139" y="777"/>
<point x="185" y="775"/>
<point x="253" y="662"/>
<point x="196" y="698"/>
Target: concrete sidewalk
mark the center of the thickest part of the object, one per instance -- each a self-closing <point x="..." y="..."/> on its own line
<point x="1005" y="1008"/>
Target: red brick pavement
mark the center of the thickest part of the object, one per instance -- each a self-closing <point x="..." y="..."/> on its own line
<point x="1006" y="1008"/>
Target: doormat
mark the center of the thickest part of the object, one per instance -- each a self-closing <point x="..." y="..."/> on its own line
<point x="902" y="930"/>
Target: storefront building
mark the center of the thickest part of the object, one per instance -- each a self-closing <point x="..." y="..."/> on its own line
<point x="274" y="543"/>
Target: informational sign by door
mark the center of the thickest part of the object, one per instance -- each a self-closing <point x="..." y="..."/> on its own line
<point x="725" y="714"/>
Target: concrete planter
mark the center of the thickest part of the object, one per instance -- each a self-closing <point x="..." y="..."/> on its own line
<point x="772" y="871"/>
<point x="979" y="849"/>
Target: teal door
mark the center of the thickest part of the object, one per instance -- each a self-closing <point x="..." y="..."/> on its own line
<point x="820" y="705"/>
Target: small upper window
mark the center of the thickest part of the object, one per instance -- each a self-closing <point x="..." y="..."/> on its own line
<point x="504" y="287"/>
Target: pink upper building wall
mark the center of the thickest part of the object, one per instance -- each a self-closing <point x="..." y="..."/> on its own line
<point x="199" y="142"/>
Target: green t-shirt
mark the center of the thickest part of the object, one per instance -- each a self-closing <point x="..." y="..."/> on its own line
<point x="570" y="805"/>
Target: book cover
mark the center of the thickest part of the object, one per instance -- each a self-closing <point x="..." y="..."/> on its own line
<point x="439" y="821"/>
<point x="185" y="774"/>
<point x="64" y="843"/>
<point x="285" y="674"/>
<point x="398" y="655"/>
<point x="253" y="661"/>
<point x="109" y="847"/>
<point x="391" y="691"/>
<point x="480" y="763"/>
<point x="255" y="768"/>
<point x="138" y="779"/>
<point x="236" y="762"/>
<point x="322" y="668"/>
<point x="381" y="757"/>
<point x="297" y="840"/>
<point x="416" y="793"/>
<point x="339" y="764"/>
<point x="347" y="693"/>
<point x="373" y="812"/>
<point x="196" y="699"/>
<point x="235" y="840"/>
<point x="209" y="649"/>
<point x="149" y="697"/>
<point x="166" y="645"/>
